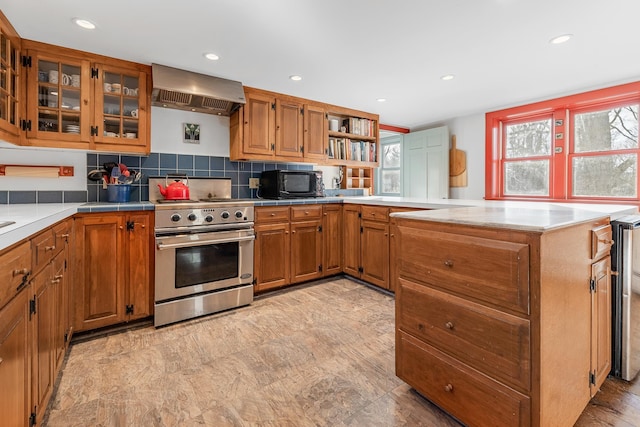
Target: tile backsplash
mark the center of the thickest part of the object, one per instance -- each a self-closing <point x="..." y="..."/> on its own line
<point x="161" y="164"/>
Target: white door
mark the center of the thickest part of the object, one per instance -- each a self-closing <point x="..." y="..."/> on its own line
<point x="425" y="164"/>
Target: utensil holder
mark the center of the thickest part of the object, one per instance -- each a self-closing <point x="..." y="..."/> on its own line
<point x="119" y="193"/>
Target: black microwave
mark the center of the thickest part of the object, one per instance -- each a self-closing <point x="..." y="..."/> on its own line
<point x="286" y="184"/>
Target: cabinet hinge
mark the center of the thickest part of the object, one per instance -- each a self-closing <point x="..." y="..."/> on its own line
<point x="32" y="417"/>
<point x="302" y="111"/>
<point x="320" y="267"/>
<point x="94" y="73"/>
<point x="592" y="378"/>
<point x="273" y="106"/>
<point x="273" y="147"/>
<point x="25" y="124"/>
<point x="592" y="285"/>
<point x="254" y="281"/>
<point x="320" y="228"/>
<point x="359" y="214"/>
<point x="129" y="309"/>
<point x="94" y="130"/>
<point x="361" y="230"/>
<point x="131" y="225"/>
<point x="32" y="305"/>
<point x="66" y="336"/>
<point x="26" y="61"/>
<point x="360" y="270"/>
<point x="302" y="148"/>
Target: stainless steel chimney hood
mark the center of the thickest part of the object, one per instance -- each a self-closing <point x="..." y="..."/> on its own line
<point x="189" y="91"/>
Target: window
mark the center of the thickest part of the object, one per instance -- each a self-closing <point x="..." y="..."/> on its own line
<point x="389" y="173"/>
<point x="579" y="148"/>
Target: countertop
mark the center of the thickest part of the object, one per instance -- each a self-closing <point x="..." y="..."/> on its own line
<point x="537" y="216"/>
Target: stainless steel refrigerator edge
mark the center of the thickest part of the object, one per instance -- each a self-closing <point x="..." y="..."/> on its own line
<point x="625" y="281"/>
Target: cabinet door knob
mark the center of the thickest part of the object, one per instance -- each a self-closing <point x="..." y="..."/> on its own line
<point x="22" y="271"/>
<point x="449" y="325"/>
<point x="448" y="388"/>
<point x="121" y="227"/>
<point x="293" y="232"/>
<point x="448" y="263"/>
<point x="273" y="214"/>
<point x="606" y="241"/>
<point x="49" y="248"/>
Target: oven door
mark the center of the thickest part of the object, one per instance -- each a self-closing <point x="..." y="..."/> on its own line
<point x="189" y="264"/>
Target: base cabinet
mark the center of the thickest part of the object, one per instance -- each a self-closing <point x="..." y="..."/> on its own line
<point x="112" y="265"/>
<point x="15" y="361"/>
<point x="294" y="244"/>
<point x="366" y="243"/>
<point x="512" y="320"/>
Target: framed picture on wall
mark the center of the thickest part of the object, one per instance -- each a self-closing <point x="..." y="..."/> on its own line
<point x="192" y="133"/>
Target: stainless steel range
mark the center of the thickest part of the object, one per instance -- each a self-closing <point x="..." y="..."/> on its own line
<point x="204" y="250"/>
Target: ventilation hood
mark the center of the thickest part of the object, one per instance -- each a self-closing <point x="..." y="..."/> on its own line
<point x="186" y="90"/>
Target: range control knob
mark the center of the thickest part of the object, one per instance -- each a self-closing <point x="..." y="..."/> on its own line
<point x="239" y="214"/>
<point x="176" y="217"/>
<point x="192" y="216"/>
<point x="225" y="215"/>
<point x="208" y="218"/>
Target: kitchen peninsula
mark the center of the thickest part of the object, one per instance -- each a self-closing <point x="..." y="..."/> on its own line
<point x="504" y="306"/>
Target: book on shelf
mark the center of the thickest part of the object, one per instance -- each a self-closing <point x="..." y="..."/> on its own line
<point x="332" y="148"/>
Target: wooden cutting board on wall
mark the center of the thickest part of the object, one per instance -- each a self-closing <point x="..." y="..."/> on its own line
<point x="457" y="166"/>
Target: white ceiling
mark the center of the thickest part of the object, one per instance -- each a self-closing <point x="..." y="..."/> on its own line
<point x="351" y="52"/>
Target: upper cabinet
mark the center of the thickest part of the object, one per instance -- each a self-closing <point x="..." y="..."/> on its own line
<point x="75" y="100"/>
<point x="277" y="127"/>
<point x="10" y="82"/>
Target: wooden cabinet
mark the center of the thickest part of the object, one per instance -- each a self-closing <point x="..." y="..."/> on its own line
<point x="356" y="141"/>
<point x="293" y="245"/>
<point x="11" y="82"/>
<point x="112" y="261"/>
<point x="79" y="100"/>
<point x="15" y="363"/>
<point x="357" y="177"/>
<point x="366" y="243"/>
<point x="15" y="270"/>
<point x="332" y="239"/>
<point x="273" y="126"/>
<point x="501" y="318"/>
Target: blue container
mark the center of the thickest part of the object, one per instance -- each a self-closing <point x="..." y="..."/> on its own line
<point x="119" y="193"/>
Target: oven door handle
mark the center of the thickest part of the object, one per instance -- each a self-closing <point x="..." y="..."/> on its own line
<point x="162" y="246"/>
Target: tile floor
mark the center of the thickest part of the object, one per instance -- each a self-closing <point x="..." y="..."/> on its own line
<point x="318" y="355"/>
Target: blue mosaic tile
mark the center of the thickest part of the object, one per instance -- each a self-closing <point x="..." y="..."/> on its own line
<point x="144" y="193"/>
<point x="132" y="162"/>
<point x="152" y="161"/>
<point x="216" y="163"/>
<point x="229" y="165"/>
<point x="216" y="174"/>
<point x="202" y="163"/>
<point x="92" y="160"/>
<point x="17" y="197"/>
<point x="185" y="163"/>
<point x="168" y="161"/>
<point x="49" y="196"/>
<point x="75" y="197"/>
<point x="244" y="192"/>
<point x="105" y="158"/>
<point x="92" y="193"/>
<point x="257" y="167"/>
<point x="4" y="197"/>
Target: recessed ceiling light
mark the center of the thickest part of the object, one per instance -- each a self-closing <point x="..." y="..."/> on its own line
<point x="447" y="77"/>
<point x="88" y="25"/>
<point x="381" y="99"/>
<point x="560" y="39"/>
<point x="211" y="56"/>
<point x="295" y="78"/>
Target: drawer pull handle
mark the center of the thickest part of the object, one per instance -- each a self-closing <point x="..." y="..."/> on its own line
<point x="64" y="236"/>
<point x="448" y="388"/>
<point x="606" y="241"/>
<point x="49" y="248"/>
<point x="449" y="325"/>
<point x="20" y="272"/>
<point x="273" y="214"/>
<point x="306" y="212"/>
<point x="448" y="263"/>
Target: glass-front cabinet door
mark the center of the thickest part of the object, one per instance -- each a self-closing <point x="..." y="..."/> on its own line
<point x="121" y="117"/>
<point x="9" y="83"/>
<point x="61" y="111"/>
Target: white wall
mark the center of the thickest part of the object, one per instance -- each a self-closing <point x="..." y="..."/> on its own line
<point x="470" y="137"/>
<point x="13" y="155"/>
<point x="166" y="133"/>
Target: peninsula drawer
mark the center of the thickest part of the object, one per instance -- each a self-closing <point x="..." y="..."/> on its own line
<point x="15" y="270"/>
<point x="272" y="214"/>
<point x="489" y="340"/>
<point x="306" y="212"/>
<point x="375" y="213"/>
<point x="495" y="272"/>
<point x="469" y="396"/>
